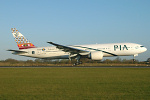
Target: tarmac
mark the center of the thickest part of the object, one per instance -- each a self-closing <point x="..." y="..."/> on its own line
<point x="74" y="66"/>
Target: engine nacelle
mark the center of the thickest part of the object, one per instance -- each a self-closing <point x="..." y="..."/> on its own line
<point x="96" y="55"/>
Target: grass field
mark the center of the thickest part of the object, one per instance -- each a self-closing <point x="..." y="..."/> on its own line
<point x="74" y="83"/>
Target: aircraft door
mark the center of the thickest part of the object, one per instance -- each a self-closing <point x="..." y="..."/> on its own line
<point x="39" y="52"/>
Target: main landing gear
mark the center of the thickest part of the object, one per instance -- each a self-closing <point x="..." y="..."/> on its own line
<point x="78" y="61"/>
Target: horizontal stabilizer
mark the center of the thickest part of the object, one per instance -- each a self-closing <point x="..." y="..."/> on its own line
<point x="17" y="51"/>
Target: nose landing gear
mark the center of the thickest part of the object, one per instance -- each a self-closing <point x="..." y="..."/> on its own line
<point x="134" y="57"/>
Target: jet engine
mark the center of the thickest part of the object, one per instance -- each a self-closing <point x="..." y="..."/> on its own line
<point x="96" y="55"/>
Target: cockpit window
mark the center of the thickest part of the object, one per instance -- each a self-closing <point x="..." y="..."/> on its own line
<point x="141" y="46"/>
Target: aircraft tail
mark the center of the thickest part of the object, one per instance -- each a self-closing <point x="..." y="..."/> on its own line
<point x="21" y="41"/>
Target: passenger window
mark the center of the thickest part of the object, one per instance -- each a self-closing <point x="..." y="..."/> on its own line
<point x="33" y="52"/>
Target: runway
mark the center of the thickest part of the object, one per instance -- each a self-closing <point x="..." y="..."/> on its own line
<point x="74" y="66"/>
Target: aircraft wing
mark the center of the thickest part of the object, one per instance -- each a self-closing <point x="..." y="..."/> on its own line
<point x="70" y="49"/>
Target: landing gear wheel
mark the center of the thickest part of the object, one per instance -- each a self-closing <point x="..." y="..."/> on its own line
<point x="74" y="64"/>
<point x="77" y="63"/>
<point x="80" y="62"/>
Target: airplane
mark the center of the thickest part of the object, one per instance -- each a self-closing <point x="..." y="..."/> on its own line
<point x="58" y="51"/>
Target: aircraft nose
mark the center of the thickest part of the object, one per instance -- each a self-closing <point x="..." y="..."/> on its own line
<point x="145" y="49"/>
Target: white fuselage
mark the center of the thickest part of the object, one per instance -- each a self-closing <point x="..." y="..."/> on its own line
<point x="113" y="49"/>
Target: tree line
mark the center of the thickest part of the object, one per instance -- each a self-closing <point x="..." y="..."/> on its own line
<point x="67" y="61"/>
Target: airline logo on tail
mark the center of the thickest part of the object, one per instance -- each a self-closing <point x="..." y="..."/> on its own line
<point x="21" y="41"/>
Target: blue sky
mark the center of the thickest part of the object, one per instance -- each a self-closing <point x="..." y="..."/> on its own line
<point x="70" y="22"/>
